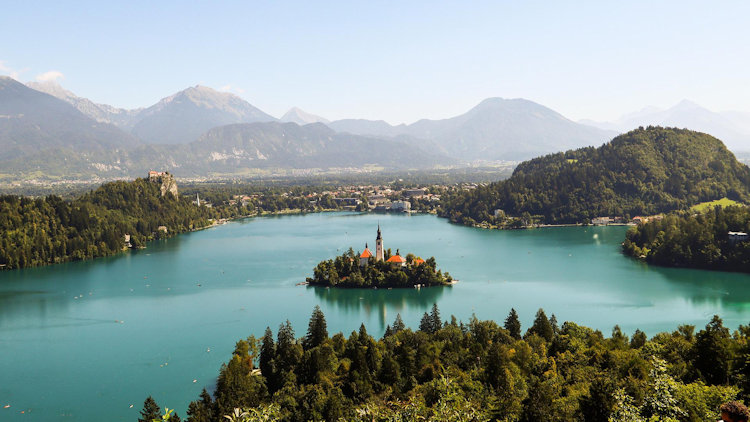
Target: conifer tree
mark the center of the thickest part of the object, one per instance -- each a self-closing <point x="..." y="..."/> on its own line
<point x="425" y="324"/>
<point x="317" y="331"/>
<point x="638" y="340"/>
<point x="712" y="352"/>
<point x="267" y="354"/>
<point x="435" y="322"/>
<point x="541" y="326"/>
<point x="513" y="325"/>
<point x="398" y="324"/>
<point x="150" y="410"/>
<point x="201" y="410"/>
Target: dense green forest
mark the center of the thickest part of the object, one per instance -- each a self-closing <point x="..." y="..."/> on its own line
<point x="480" y="371"/>
<point x="643" y="172"/>
<point x="50" y="230"/>
<point x="699" y="240"/>
<point x="345" y="271"/>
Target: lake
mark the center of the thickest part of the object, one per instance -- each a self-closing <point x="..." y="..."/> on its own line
<point x="84" y="341"/>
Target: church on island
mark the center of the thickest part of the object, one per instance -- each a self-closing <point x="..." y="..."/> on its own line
<point x="395" y="260"/>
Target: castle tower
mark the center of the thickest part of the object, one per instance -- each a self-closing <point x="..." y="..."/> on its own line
<point x="379" y="246"/>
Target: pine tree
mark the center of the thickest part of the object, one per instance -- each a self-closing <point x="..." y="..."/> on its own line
<point x="201" y="410"/>
<point x="541" y="326"/>
<point x="150" y="410"/>
<point x="288" y="352"/>
<point x="712" y="352"/>
<point x="435" y="322"/>
<point x="425" y="324"/>
<point x="398" y="324"/>
<point x="267" y="354"/>
<point x="317" y="331"/>
<point x="513" y="325"/>
<point x="638" y="340"/>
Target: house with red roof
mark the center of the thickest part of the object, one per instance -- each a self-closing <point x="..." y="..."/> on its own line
<point x="397" y="260"/>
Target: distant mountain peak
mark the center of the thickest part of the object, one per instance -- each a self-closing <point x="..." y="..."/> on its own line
<point x="182" y="117"/>
<point x="686" y="104"/>
<point x="301" y="117"/>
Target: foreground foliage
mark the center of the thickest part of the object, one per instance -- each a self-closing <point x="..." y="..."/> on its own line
<point x="345" y="271"/>
<point x="451" y="371"/>
<point x="643" y="172"/>
<point x="693" y="240"/>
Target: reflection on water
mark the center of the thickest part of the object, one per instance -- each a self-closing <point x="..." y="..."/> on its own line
<point x="354" y="301"/>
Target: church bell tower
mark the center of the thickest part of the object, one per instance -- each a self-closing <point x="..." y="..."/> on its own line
<point x="379" y="246"/>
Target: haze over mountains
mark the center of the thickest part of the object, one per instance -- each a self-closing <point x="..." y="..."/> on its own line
<point x="496" y="129"/>
<point x="201" y="132"/>
<point x="732" y="127"/>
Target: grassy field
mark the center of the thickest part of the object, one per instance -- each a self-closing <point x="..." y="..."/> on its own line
<point x="723" y="202"/>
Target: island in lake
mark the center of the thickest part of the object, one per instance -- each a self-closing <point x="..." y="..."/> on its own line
<point x="379" y="270"/>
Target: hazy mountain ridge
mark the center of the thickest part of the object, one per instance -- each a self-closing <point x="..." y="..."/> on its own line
<point x="120" y="117"/>
<point x="732" y="127"/>
<point x="32" y="122"/>
<point x="301" y="117"/>
<point x="496" y="129"/>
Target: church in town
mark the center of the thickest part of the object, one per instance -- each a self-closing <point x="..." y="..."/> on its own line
<point x="396" y="260"/>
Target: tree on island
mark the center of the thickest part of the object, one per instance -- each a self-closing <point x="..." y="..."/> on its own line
<point x="346" y="271"/>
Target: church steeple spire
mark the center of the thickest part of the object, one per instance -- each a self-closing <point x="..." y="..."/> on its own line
<point x="379" y="254"/>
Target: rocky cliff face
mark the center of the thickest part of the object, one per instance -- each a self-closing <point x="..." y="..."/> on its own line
<point x="168" y="184"/>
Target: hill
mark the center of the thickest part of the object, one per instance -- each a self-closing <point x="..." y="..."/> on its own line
<point x="49" y="230"/>
<point x="183" y="117"/>
<point x="288" y="145"/>
<point x="645" y="171"/>
<point x="496" y="129"/>
<point x="698" y="240"/>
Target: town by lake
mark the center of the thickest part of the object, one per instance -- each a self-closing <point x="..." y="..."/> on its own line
<point x="86" y="340"/>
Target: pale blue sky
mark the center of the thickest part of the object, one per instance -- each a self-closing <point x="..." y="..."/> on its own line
<point x="397" y="61"/>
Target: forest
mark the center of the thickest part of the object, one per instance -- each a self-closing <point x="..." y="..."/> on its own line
<point x="50" y="229"/>
<point x="41" y="231"/>
<point x="449" y="370"/>
<point x="345" y="271"/>
<point x="694" y="239"/>
<point x="643" y="172"/>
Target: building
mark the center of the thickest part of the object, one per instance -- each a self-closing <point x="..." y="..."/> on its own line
<point x="365" y="256"/>
<point x="400" y="206"/>
<point x="414" y="193"/>
<point x="397" y="260"/>
<point x="379" y="254"/>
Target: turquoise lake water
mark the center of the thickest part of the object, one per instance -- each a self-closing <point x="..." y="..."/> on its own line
<point x="83" y="341"/>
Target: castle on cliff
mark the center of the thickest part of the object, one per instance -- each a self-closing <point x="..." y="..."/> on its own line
<point x="168" y="184"/>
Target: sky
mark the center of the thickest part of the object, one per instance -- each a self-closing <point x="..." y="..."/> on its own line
<point x="396" y="61"/>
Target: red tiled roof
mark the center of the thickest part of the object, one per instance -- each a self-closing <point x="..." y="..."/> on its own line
<point x="418" y="261"/>
<point x="396" y="258"/>
<point x="366" y="253"/>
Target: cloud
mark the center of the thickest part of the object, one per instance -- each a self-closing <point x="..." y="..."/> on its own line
<point x="8" y="70"/>
<point x="51" y="76"/>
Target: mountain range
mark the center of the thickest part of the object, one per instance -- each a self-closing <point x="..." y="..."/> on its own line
<point x="732" y="127"/>
<point x="200" y="132"/>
